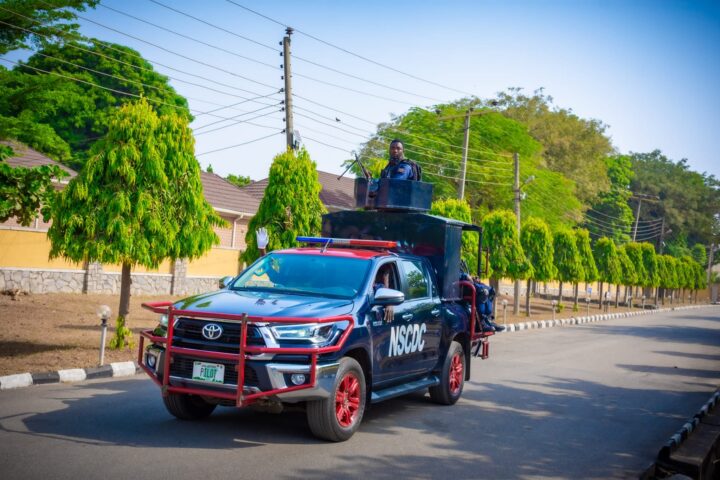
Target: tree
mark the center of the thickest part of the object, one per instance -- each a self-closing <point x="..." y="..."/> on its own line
<point x="567" y="259"/>
<point x="36" y="20"/>
<point x="573" y="146"/>
<point x="629" y="273"/>
<point x="699" y="254"/>
<point x="507" y="259"/>
<point x="608" y="265"/>
<point x="650" y="264"/>
<point x="291" y="205"/>
<point x="137" y="201"/>
<point x="460" y="210"/>
<point x="537" y="244"/>
<point x="587" y="260"/>
<point x="238" y="180"/>
<point x="634" y="253"/>
<point x="611" y="215"/>
<point x="24" y="191"/>
<point x="62" y="117"/>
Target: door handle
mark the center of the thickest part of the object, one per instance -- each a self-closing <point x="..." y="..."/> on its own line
<point x="435" y="312"/>
<point x="407" y="316"/>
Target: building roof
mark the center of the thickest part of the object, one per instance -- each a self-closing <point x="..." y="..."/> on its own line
<point x="27" y="157"/>
<point x="335" y="194"/>
<point x="224" y="196"/>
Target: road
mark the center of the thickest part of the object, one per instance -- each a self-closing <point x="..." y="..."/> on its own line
<point x="593" y="401"/>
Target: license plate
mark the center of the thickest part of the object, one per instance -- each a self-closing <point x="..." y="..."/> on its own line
<point x="208" y="372"/>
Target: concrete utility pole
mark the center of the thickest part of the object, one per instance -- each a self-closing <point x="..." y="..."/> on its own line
<point x="466" y="142"/>
<point x="640" y="197"/>
<point x="711" y="258"/>
<point x="288" y="90"/>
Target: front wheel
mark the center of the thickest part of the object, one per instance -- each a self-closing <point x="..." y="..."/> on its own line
<point x="338" y="417"/>
<point x="188" y="407"/>
<point x="452" y="378"/>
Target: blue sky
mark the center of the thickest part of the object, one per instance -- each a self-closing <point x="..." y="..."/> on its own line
<point x="648" y="69"/>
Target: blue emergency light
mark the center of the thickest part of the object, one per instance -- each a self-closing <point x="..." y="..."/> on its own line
<point x="352" y="242"/>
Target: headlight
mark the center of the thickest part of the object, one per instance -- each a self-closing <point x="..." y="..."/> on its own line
<point x="306" y="332"/>
<point x="164" y="320"/>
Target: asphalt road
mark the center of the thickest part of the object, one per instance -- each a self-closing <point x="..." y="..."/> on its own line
<point x="592" y="401"/>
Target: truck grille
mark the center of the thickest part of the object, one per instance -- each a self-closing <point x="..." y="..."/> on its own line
<point x="182" y="367"/>
<point x="188" y="333"/>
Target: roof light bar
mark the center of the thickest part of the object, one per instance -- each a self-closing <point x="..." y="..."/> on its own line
<point x="353" y="242"/>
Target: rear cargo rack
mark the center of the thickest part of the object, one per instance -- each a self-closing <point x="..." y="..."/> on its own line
<point x="474" y="327"/>
<point x="239" y="359"/>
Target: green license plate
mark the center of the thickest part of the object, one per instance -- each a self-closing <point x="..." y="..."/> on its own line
<point x="208" y="372"/>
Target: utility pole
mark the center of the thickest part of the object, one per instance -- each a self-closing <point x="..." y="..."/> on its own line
<point x="663" y="232"/>
<point x="288" y="90"/>
<point x="466" y="142"/>
<point x="711" y="258"/>
<point x="640" y="197"/>
<point x="516" y="188"/>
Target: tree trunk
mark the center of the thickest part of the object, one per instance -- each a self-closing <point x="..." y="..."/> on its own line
<point x="577" y="294"/>
<point x="495" y="284"/>
<point x="617" y="295"/>
<point x="560" y="293"/>
<point x="125" y="282"/>
<point x="527" y="298"/>
<point x="600" y="294"/>
<point x="662" y="293"/>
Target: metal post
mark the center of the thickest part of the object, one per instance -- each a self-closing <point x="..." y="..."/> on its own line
<point x="288" y="90"/>
<point x="516" y="187"/>
<point x="504" y="304"/>
<point x="554" y="303"/>
<point x="466" y="143"/>
<point x="103" y="312"/>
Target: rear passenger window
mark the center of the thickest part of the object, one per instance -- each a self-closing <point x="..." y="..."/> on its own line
<point x="416" y="280"/>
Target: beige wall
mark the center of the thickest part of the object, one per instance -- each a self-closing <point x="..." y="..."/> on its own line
<point x="217" y="262"/>
<point x="24" y="248"/>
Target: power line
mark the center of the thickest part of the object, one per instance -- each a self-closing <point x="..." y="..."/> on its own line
<point x="135" y="55"/>
<point x="233" y="118"/>
<point x="618" y="218"/>
<point x="235" y="123"/>
<point x="352" y="53"/>
<point x="240" y="144"/>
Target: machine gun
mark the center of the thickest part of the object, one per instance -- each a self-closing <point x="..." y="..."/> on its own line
<point x="365" y="171"/>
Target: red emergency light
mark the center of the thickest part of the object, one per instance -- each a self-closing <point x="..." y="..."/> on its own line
<point x="351" y="242"/>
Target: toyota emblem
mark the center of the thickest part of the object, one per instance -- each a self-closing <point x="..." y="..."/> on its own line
<point x="212" y="331"/>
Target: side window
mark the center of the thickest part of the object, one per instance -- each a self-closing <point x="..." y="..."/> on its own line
<point x="416" y="279"/>
<point x="387" y="277"/>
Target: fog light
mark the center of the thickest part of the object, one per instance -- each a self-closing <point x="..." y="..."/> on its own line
<point x="151" y="361"/>
<point x="297" y="378"/>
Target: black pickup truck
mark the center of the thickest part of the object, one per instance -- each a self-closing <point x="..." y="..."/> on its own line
<point x="372" y="310"/>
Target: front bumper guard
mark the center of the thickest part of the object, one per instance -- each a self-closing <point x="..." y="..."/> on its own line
<point x="318" y="386"/>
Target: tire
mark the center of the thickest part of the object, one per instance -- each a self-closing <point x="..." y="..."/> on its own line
<point x="188" y="407"/>
<point x="452" y="378"/>
<point x="338" y="417"/>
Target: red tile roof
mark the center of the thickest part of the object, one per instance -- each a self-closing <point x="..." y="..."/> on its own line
<point x="25" y="156"/>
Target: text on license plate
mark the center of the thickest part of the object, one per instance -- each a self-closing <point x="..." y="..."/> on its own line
<point x="208" y="372"/>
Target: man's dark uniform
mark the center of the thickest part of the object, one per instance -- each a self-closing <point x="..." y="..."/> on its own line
<point x="400" y="170"/>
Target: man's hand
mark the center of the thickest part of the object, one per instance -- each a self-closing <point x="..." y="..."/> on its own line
<point x="262" y="238"/>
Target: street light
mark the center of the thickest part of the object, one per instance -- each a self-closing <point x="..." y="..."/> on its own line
<point x="104" y="312"/>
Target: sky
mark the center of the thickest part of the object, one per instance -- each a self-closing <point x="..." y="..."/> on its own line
<point x="649" y="70"/>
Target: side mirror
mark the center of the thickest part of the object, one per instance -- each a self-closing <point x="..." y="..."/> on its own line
<point x="388" y="296"/>
<point x="224" y="282"/>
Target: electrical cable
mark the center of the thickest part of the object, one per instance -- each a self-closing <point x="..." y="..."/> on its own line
<point x="233" y="118"/>
<point x="238" y="122"/>
<point x="240" y="144"/>
<point x="616" y="218"/>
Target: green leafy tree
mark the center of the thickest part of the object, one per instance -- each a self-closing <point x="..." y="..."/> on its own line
<point x="460" y="210"/>
<point x="291" y="205"/>
<point x="587" y="260"/>
<point x="573" y="146"/>
<point x="36" y="20"/>
<point x="699" y="254"/>
<point x="608" y="265"/>
<point x="650" y="264"/>
<point x="238" y="180"/>
<point x="629" y="273"/>
<point x="62" y="117"/>
<point x="138" y="201"/>
<point x="611" y="215"/>
<point x="634" y="253"/>
<point x="537" y="244"/>
<point x="567" y="259"/>
<point x="507" y="259"/>
<point x="433" y="140"/>
<point x="669" y="276"/>
<point x="24" y="191"/>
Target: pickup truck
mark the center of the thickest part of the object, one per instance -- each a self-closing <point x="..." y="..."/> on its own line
<point x="336" y="325"/>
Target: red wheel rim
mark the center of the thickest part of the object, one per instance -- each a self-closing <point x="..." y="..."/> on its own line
<point x="456" y="374"/>
<point x="347" y="400"/>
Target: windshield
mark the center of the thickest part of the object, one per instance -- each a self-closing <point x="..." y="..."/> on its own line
<point x="321" y="275"/>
